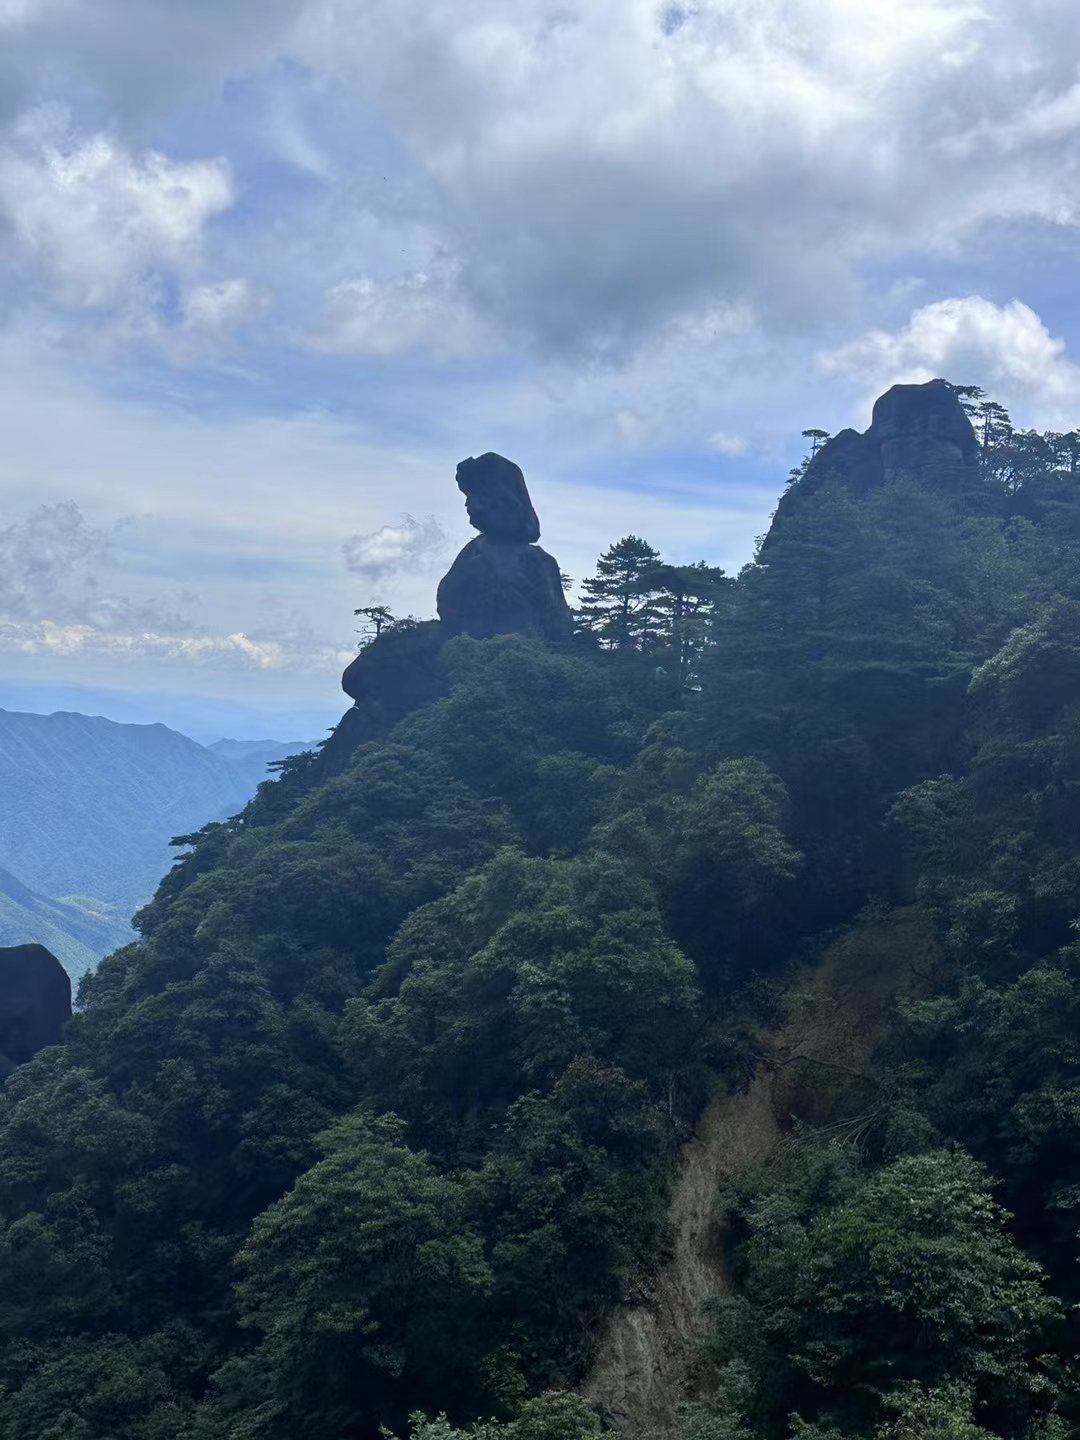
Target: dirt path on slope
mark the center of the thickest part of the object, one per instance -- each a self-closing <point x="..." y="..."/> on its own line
<point x="816" y="1071"/>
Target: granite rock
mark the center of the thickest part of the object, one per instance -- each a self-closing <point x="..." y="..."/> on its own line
<point x="917" y="431"/>
<point x="497" y="587"/>
<point x="35" y="1002"/>
<point x="497" y="498"/>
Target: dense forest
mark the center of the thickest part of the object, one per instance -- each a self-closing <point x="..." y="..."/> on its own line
<point x="375" y="1124"/>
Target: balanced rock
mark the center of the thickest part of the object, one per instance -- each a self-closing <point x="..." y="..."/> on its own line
<point x="35" y="1002"/>
<point x="497" y="499"/>
<point x="917" y="431"/>
<point x="502" y="582"/>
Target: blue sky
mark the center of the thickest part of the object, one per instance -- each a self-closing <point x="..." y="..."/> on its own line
<point x="270" y="268"/>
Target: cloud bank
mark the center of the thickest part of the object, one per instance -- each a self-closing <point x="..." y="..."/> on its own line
<point x="53" y="603"/>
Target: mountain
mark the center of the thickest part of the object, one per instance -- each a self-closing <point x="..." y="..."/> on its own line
<point x="91" y="805"/>
<point x="256" y="754"/>
<point x="77" y="936"/>
<point x="669" y="1029"/>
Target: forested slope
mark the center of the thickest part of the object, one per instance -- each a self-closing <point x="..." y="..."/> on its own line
<point x="380" y="1114"/>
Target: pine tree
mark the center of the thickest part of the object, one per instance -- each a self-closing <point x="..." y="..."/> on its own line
<point x="619" y="605"/>
<point x="688" y="602"/>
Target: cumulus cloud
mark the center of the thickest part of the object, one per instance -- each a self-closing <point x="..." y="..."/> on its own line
<point x="602" y="169"/>
<point x="96" y="225"/>
<point x="1007" y="349"/>
<point x="591" y="173"/>
<point x="411" y="545"/>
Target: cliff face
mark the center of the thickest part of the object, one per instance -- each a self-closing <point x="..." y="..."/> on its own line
<point x="917" y="431"/>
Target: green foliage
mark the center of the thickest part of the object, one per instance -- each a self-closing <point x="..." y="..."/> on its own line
<point x="856" y="1281"/>
<point x="497" y="988"/>
<point x="378" y="1115"/>
<point x="366" y="1262"/>
<point x="557" y="1415"/>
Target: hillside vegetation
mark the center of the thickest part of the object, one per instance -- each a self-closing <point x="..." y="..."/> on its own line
<point x="377" y="1122"/>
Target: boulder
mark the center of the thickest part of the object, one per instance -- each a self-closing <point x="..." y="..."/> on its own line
<point x="35" y="1002"/>
<point x="497" y="498"/>
<point x="496" y="587"/>
<point x="502" y="582"/>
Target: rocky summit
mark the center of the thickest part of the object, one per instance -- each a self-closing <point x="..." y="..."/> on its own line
<point x="918" y="432"/>
<point x="502" y="581"/>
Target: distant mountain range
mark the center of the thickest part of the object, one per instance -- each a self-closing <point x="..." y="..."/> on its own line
<point x="87" y="810"/>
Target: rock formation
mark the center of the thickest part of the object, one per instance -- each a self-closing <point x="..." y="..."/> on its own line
<point x="35" y="1002"/>
<point x="502" y="581"/>
<point x="919" y="431"/>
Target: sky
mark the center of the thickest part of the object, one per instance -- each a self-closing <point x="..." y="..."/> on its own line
<point x="270" y="268"/>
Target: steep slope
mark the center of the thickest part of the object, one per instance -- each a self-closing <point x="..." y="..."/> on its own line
<point x="817" y="1067"/>
<point x="90" y="805"/>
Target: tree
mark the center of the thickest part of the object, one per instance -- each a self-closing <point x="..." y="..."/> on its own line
<point x="856" y="1284"/>
<point x="817" y="439"/>
<point x="370" y="1248"/>
<point x="688" y="600"/>
<point x="618" y="607"/>
<point x="378" y="618"/>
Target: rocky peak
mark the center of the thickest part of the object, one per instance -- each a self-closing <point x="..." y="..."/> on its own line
<point x="917" y="431"/>
<point x="502" y="582"/>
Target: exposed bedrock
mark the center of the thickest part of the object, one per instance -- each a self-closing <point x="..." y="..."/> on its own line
<point x="919" y="431"/>
<point x="35" y="1003"/>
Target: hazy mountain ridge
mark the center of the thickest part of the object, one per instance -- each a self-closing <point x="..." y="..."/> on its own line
<point x="90" y="807"/>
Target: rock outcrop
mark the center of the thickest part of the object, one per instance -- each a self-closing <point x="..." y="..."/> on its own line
<point x="917" y="431"/>
<point x="497" y="499"/>
<point x="35" y="1003"/>
<point x="502" y="581"/>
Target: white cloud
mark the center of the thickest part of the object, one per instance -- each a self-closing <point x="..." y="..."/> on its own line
<point x="237" y="651"/>
<point x="412" y="545"/>
<point x="599" y="173"/>
<point x="595" y="172"/>
<point x="51" y="567"/>
<point x="97" y="224"/>
<point x="212" y="315"/>
<point x="53" y="603"/>
<point x="1007" y="349"/>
